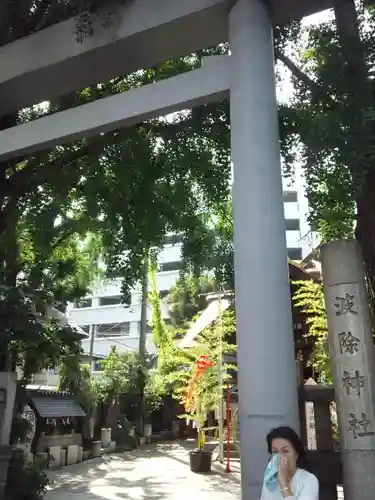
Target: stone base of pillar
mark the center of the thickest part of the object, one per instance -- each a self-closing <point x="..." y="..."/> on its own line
<point x="356" y="466"/>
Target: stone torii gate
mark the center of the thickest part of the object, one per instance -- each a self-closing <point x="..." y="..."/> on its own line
<point x="51" y="63"/>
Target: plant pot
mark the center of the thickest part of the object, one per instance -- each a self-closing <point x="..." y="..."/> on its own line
<point x="200" y="461"/>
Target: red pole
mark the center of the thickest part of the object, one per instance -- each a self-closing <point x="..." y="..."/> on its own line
<point x="227" y="468"/>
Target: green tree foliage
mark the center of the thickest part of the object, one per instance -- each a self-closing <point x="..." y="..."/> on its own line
<point x="34" y="483"/>
<point x="309" y="296"/>
<point x="330" y="124"/>
<point x="210" y="246"/>
<point x="127" y="374"/>
<point x="32" y="339"/>
<point x="187" y="298"/>
<point x="130" y="186"/>
<point x="188" y="157"/>
<point x="76" y="378"/>
<point x="123" y="373"/>
<point x="119" y="193"/>
<point x="152" y="393"/>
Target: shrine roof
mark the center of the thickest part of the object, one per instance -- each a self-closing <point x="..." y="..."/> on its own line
<point x="56" y="406"/>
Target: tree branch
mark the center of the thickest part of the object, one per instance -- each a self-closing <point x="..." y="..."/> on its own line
<point x="72" y="226"/>
<point x="297" y="72"/>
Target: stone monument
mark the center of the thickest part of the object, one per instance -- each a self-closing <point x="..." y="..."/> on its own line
<point x="352" y="351"/>
<point x="28" y="415"/>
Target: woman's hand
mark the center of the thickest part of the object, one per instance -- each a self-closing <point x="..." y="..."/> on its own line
<point x="284" y="474"/>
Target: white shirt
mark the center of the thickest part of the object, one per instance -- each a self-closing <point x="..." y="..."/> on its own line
<point x="304" y="486"/>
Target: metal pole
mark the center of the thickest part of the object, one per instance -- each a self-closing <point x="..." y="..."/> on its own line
<point x="220" y="374"/>
<point x="92" y="342"/>
<point x="144" y="310"/>
<point x="227" y="468"/>
<point x="142" y="337"/>
<point x="352" y="351"/>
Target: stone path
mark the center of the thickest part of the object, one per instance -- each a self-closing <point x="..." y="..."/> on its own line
<point x="156" y="472"/>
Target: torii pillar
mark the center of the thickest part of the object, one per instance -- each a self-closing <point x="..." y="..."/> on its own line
<point x="267" y="373"/>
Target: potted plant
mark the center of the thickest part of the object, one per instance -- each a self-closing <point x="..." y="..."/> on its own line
<point x="196" y="406"/>
<point x="200" y="459"/>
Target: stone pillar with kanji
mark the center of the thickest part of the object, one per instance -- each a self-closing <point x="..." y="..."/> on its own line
<point x="353" y="363"/>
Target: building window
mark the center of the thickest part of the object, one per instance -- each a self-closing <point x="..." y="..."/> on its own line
<point x="173" y="239"/>
<point x="110" y="301"/>
<point x="163" y="294"/>
<point x="292" y="224"/>
<point x="80" y="304"/>
<point x="113" y="330"/>
<point x="85" y="328"/>
<point x="295" y="253"/>
<point x="171" y="266"/>
<point x="290" y="197"/>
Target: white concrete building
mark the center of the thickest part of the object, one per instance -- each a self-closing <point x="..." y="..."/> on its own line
<point x="294" y="223"/>
<point x="112" y="322"/>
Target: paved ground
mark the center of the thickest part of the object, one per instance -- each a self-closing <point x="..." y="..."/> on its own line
<point x="156" y="472"/>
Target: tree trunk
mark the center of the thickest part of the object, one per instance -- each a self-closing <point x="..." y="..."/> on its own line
<point x="8" y="252"/>
<point x="361" y="137"/>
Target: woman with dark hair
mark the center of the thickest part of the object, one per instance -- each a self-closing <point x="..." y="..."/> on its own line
<point x="286" y="476"/>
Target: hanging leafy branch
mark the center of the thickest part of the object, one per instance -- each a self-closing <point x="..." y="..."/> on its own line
<point x="162" y="335"/>
<point x="309" y="296"/>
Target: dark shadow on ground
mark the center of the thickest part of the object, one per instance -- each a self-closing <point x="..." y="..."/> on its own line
<point x="86" y="472"/>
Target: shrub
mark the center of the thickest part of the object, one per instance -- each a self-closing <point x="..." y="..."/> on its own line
<point x="33" y="485"/>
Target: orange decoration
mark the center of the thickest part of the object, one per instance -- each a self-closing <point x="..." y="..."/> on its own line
<point x="200" y="366"/>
